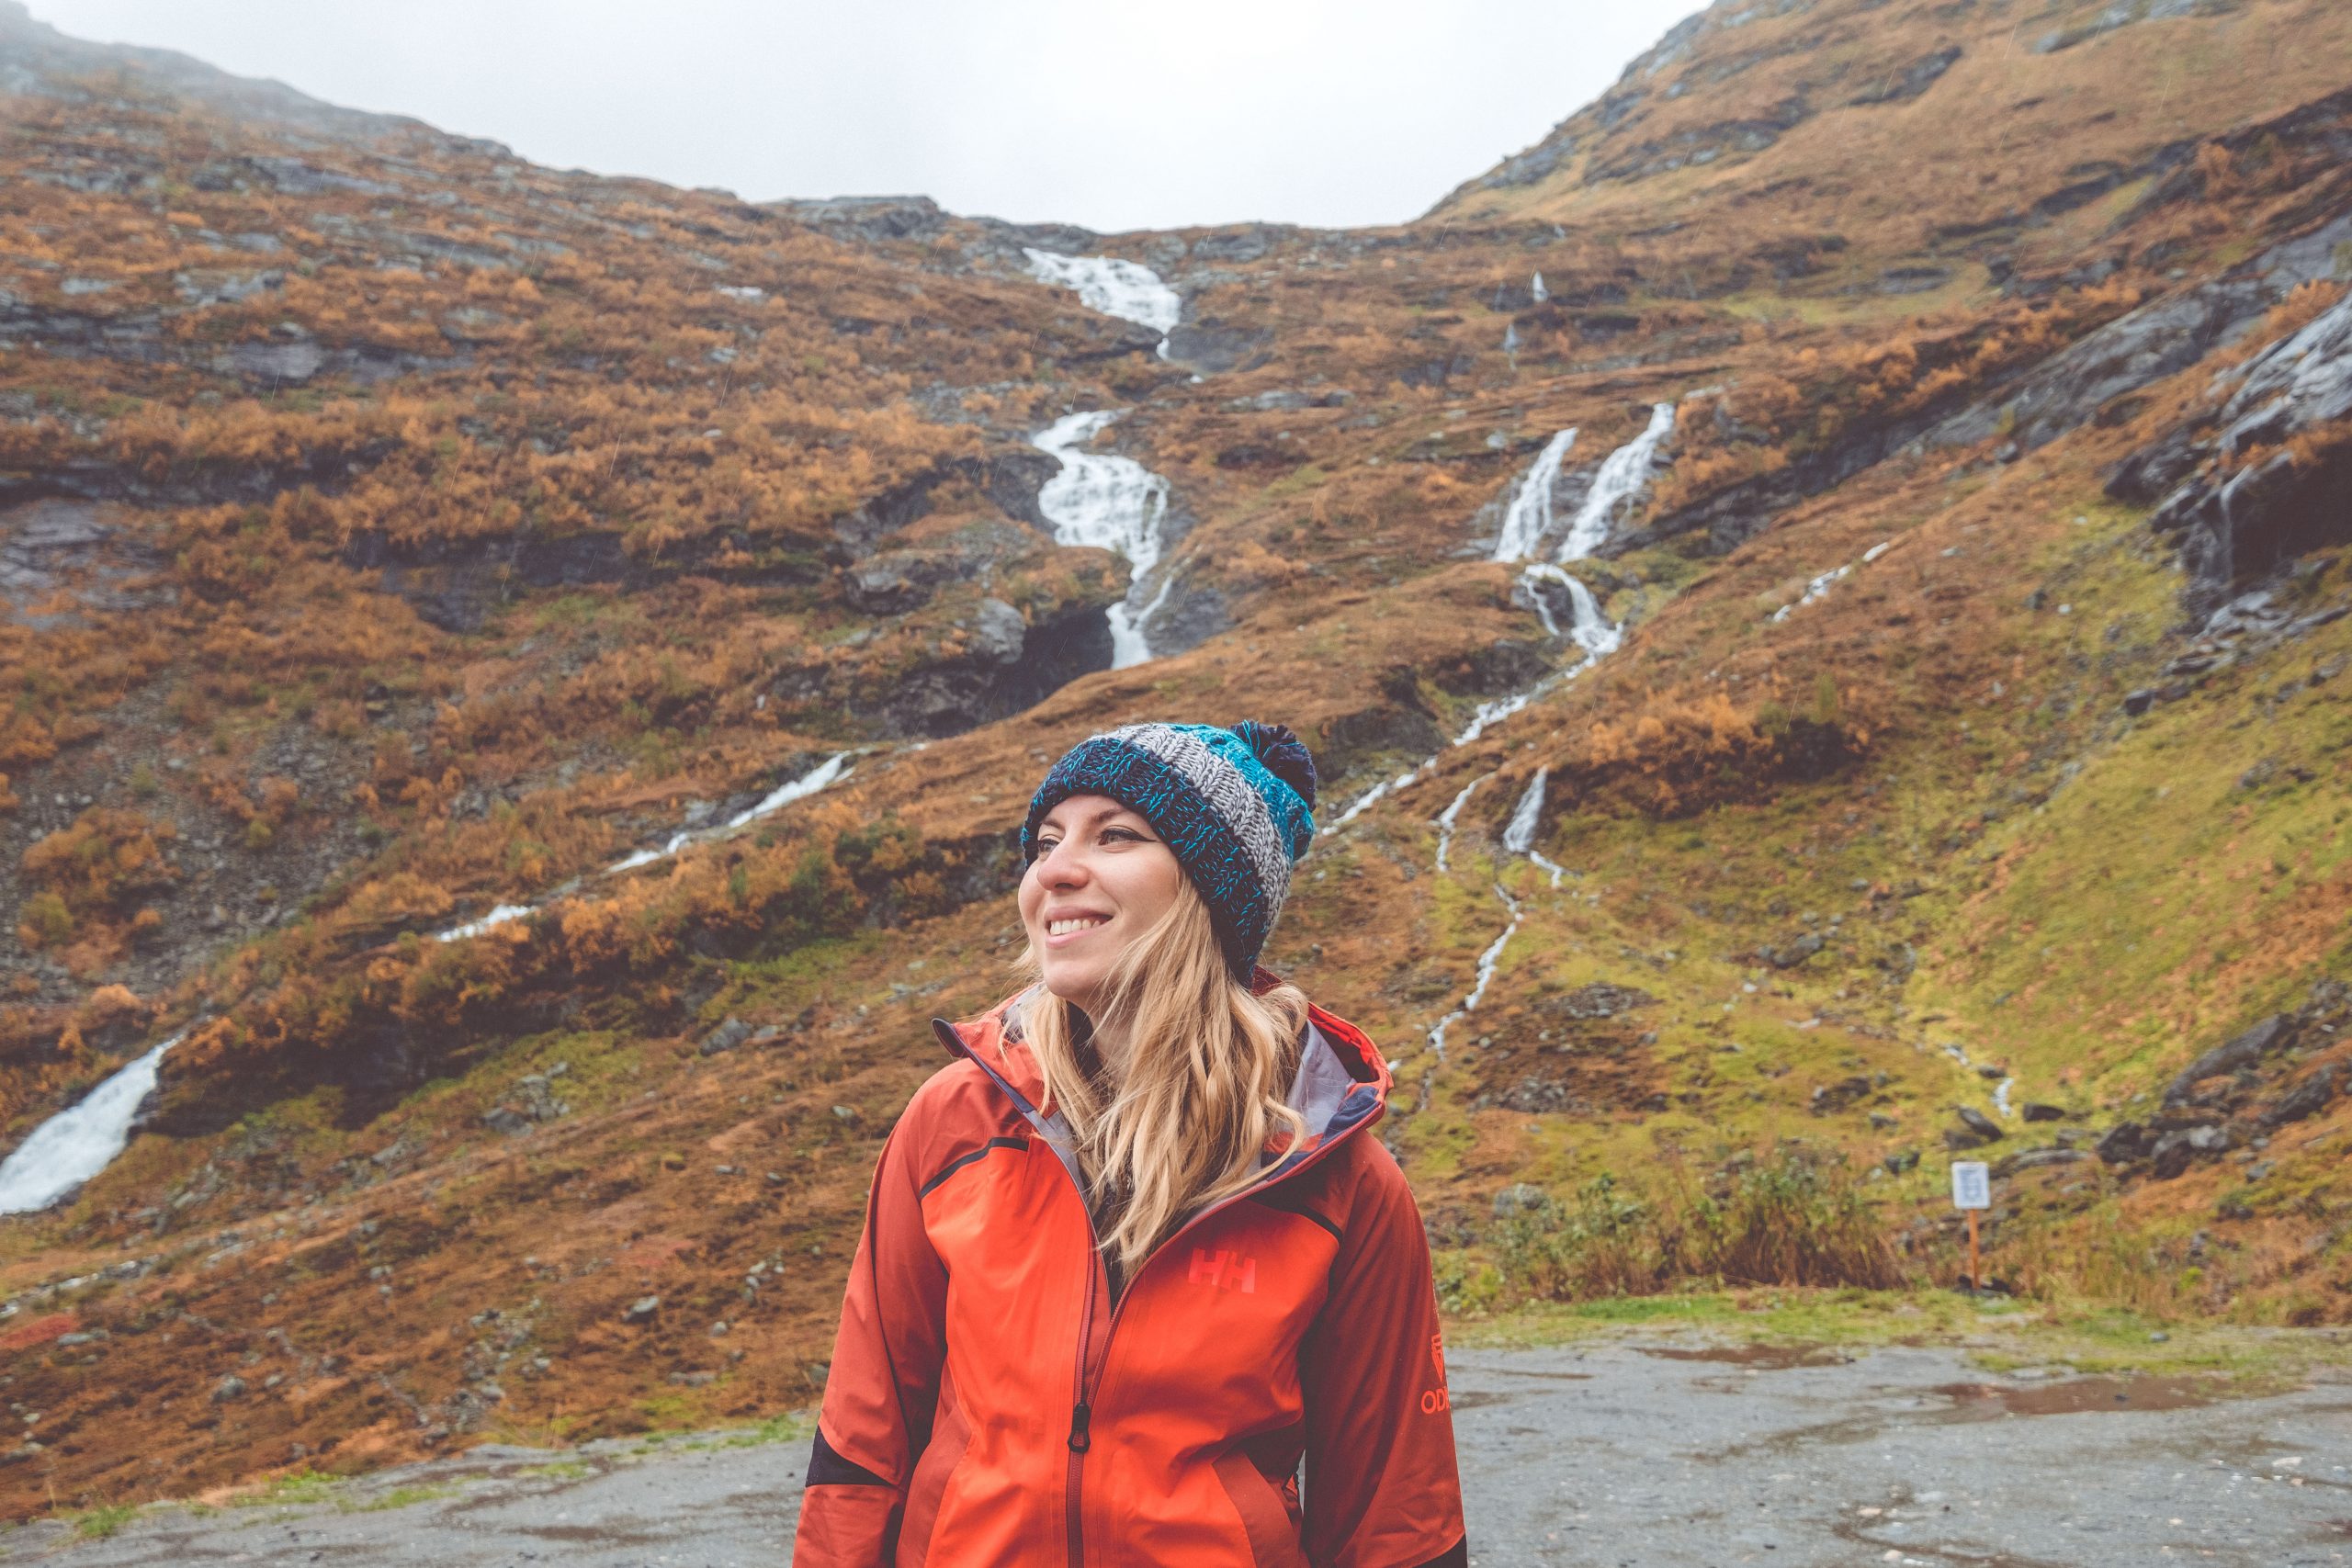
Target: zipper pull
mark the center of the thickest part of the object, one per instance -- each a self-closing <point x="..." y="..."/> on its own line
<point x="1080" y="1416"/>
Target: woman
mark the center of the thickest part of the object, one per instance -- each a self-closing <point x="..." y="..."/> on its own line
<point x="1135" y="1255"/>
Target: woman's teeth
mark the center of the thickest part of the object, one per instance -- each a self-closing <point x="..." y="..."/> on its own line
<point x="1083" y="922"/>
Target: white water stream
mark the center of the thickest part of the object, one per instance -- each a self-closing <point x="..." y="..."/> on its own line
<point x="83" y="1140"/>
<point x="1526" y="521"/>
<point x="1519" y="834"/>
<point x="1489" y="961"/>
<point x="79" y="1141"/>
<point x="1451" y="815"/>
<point x="1827" y="580"/>
<point x="1619" y="481"/>
<point x="1127" y="289"/>
<point x="1114" y="504"/>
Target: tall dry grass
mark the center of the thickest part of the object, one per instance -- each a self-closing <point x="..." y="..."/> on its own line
<point x="1791" y="1218"/>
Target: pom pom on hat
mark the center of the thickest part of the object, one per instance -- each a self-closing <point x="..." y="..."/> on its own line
<point x="1283" y="754"/>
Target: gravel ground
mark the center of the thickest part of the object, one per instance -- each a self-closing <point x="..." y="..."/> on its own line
<point x="1648" y="1453"/>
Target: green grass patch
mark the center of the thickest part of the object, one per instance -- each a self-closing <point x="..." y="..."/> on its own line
<point x="103" y="1521"/>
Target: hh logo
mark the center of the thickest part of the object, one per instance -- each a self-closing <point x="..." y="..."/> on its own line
<point x="1226" y="1269"/>
<point x="1438" y="1398"/>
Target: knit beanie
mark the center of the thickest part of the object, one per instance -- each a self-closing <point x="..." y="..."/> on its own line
<point x="1235" y="805"/>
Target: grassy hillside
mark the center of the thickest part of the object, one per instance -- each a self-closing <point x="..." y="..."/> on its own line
<point x="394" y="530"/>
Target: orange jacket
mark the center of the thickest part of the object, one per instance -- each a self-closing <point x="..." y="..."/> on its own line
<point x="988" y="1405"/>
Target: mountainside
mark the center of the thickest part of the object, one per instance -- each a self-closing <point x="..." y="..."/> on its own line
<point x="1817" y="591"/>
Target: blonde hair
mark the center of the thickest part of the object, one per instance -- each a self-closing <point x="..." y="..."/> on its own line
<point x="1181" y="1122"/>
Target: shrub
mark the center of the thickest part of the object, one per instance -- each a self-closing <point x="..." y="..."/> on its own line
<point x="1791" y="1219"/>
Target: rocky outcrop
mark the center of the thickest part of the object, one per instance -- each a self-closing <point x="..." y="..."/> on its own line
<point x="61" y="545"/>
<point x="139" y="337"/>
<point x="2239" y="1092"/>
<point x="1213" y="345"/>
<point x="1703" y="145"/>
<point x="2262" y="477"/>
<point x="1008" y="665"/>
<point x="1909" y="82"/>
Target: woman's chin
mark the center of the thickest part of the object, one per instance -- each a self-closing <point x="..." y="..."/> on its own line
<point x="1072" y="982"/>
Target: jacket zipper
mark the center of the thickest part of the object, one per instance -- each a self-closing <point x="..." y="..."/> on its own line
<point x="1082" y="1414"/>
<point x="1091" y="1365"/>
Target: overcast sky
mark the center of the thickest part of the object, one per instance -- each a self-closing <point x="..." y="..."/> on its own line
<point x="1115" y="116"/>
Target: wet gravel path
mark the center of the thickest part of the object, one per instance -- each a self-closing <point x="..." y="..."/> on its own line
<point x="1620" y="1453"/>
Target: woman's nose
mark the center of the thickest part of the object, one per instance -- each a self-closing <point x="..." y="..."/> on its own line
<point x="1061" y="867"/>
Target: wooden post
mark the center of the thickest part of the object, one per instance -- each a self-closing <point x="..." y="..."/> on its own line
<point x="1976" y="1272"/>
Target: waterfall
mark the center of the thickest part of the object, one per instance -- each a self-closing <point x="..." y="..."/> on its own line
<point x="825" y="773"/>
<point x="1453" y="814"/>
<point x="1127" y="289"/>
<point x="1621" y="478"/>
<point x="1116" y="503"/>
<point x="1529" y="517"/>
<point x="498" y="916"/>
<point x="1488" y="961"/>
<point x="77" y="1143"/>
<point x="1535" y="287"/>
<point x="1526" y="521"/>
<point x="1588" y="627"/>
<point x="828" y="772"/>
<point x="1519" y="834"/>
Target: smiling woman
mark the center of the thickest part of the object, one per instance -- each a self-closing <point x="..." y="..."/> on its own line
<point x="1144" y="1190"/>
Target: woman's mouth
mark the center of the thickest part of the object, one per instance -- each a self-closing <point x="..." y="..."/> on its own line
<point x="1073" y="925"/>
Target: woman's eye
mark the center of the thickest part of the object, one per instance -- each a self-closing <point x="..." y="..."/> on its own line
<point x="1121" y="835"/>
<point x="1045" y="846"/>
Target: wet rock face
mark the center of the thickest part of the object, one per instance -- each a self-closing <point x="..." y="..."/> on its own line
<point x="57" y="543"/>
<point x="2239" y="502"/>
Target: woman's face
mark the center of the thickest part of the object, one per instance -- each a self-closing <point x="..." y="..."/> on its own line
<point x="1102" y="878"/>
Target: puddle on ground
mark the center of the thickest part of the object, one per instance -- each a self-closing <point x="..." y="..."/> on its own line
<point x="1762" y="1358"/>
<point x="2077" y="1396"/>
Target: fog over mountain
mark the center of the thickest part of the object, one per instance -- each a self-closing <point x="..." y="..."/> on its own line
<point x="1302" y="111"/>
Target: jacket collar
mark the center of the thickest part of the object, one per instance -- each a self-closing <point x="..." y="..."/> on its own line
<point x="1342" y="1082"/>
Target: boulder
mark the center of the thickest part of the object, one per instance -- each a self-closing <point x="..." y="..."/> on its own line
<point x="2305" y="1100"/>
<point x="1976" y="1121"/>
<point x="2035" y="1159"/>
<point x="2243" y="1051"/>
<point x="726" y="1037"/>
<point x="2125" y="1142"/>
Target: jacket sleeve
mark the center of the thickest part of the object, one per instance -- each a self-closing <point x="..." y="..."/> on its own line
<point x="1381" y="1487"/>
<point x="882" y="1387"/>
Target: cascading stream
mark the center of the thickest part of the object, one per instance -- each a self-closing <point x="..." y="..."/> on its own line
<point x="1489" y="961"/>
<point x="1130" y="290"/>
<point x="1526" y="522"/>
<point x="82" y="1140"/>
<point x="79" y="1141"/>
<point x="1114" y="504"/>
<point x="1616" y="484"/>
<point x="1519" y="834"/>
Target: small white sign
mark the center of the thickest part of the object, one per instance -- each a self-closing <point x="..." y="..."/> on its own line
<point x="1972" y="1184"/>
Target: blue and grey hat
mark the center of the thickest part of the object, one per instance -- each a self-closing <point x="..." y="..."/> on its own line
<point x="1236" y="806"/>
